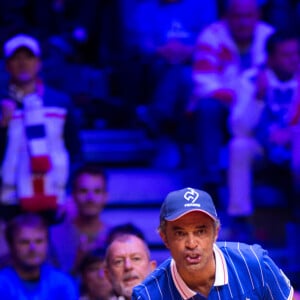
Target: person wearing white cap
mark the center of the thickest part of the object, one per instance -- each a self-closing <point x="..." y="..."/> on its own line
<point x="21" y="40"/>
<point x="200" y="267"/>
<point x="37" y="133"/>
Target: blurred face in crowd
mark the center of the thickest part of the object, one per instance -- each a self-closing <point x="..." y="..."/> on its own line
<point x="29" y="247"/>
<point x="23" y="66"/>
<point x="128" y="264"/>
<point x="242" y="17"/>
<point x="90" y="195"/>
<point x="190" y="240"/>
<point x="96" y="284"/>
<point x="285" y="59"/>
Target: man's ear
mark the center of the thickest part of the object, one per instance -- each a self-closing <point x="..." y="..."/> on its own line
<point x="217" y="232"/>
<point x="106" y="274"/>
<point x="153" y="265"/>
<point x="164" y="238"/>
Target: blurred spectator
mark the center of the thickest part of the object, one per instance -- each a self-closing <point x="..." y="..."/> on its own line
<point x="166" y="33"/>
<point x="82" y="229"/>
<point x="94" y="284"/>
<point x="29" y="277"/>
<point x="224" y="49"/>
<point x="127" y="263"/>
<point x="265" y="125"/>
<point x="39" y="136"/>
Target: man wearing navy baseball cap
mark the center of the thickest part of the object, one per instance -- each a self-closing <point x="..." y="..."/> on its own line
<point x="202" y="268"/>
<point x="181" y="202"/>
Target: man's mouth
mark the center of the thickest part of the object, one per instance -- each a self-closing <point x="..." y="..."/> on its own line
<point x="131" y="279"/>
<point x="193" y="258"/>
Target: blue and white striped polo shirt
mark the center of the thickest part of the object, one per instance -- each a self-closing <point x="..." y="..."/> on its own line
<point x="243" y="272"/>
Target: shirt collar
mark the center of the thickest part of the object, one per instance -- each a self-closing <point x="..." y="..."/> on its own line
<point x="221" y="276"/>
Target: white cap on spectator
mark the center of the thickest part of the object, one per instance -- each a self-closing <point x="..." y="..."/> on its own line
<point x="21" y="40"/>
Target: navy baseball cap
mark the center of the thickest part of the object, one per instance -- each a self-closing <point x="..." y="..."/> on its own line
<point x="180" y="202"/>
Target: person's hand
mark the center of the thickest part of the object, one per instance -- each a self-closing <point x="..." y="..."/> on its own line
<point x="175" y="52"/>
<point x="7" y="107"/>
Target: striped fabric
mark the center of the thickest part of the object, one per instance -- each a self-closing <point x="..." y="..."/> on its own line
<point x="35" y="129"/>
<point x="35" y="168"/>
<point x="242" y="272"/>
<point x="217" y="61"/>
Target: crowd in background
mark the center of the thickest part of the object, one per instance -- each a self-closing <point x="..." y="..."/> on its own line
<point x="221" y="76"/>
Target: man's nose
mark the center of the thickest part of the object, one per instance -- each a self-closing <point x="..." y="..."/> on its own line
<point x="191" y="242"/>
<point x="128" y="263"/>
<point x="90" y="195"/>
<point x="32" y="245"/>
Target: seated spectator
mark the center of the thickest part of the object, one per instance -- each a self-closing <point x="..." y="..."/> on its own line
<point x="29" y="277"/>
<point x="224" y="49"/>
<point x="127" y="263"/>
<point x="265" y="126"/>
<point x="39" y="136"/>
<point x="82" y="230"/>
<point x="166" y="35"/>
<point x="94" y="284"/>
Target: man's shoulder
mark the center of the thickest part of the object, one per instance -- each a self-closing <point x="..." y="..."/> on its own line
<point x="215" y="28"/>
<point x="66" y="229"/>
<point x="55" y="276"/>
<point x="236" y="252"/>
<point x="265" y="27"/>
<point x="49" y="89"/>
<point x="239" y="247"/>
<point x="218" y="31"/>
<point x="6" y="272"/>
<point x="159" y="274"/>
<point x="56" y="97"/>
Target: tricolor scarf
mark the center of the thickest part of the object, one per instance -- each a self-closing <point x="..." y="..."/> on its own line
<point x="26" y="170"/>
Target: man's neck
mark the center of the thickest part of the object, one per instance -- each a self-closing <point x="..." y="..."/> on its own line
<point x="25" y="87"/>
<point x="203" y="284"/>
<point x="28" y="274"/>
<point x="88" y="225"/>
<point x="243" y="46"/>
<point x="283" y="76"/>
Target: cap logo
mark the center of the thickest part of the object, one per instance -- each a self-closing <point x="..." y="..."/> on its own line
<point x="192" y="196"/>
